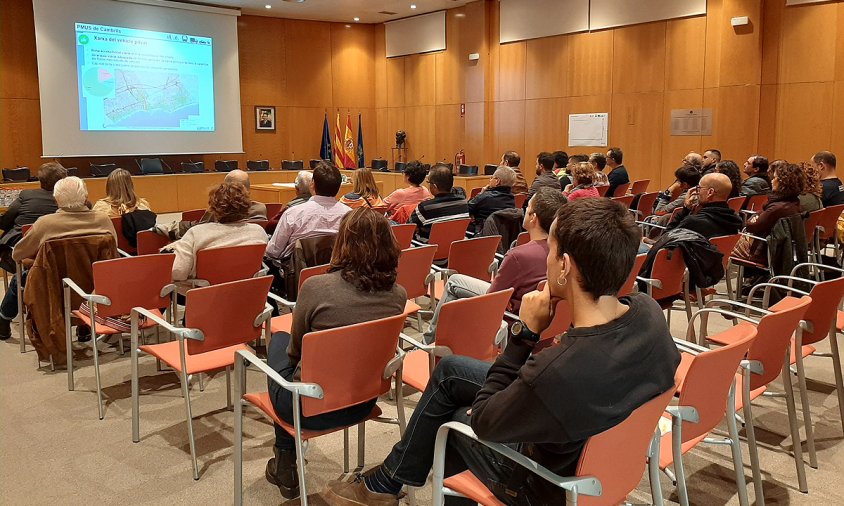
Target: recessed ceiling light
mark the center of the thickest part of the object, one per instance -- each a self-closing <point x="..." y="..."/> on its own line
<point x="348" y="26"/>
<point x="459" y="15"/>
<point x="268" y="6"/>
<point x="412" y="6"/>
<point x="357" y="18"/>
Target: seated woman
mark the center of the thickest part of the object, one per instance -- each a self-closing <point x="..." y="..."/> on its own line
<point x="360" y="286"/>
<point x="414" y="176"/>
<point x="365" y="192"/>
<point x="731" y="170"/>
<point x="810" y="199"/>
<point x="582" y="187"/>
<point x="230" y="203"/>
<point x="787" y="184"/>
<point x="120" y="196"/>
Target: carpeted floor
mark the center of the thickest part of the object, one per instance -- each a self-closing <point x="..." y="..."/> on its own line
<point x="55" y="450"/>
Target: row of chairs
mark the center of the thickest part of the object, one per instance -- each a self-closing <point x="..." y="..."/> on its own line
<point x="23" y="174"/>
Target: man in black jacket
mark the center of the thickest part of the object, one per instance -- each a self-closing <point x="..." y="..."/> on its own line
<point x="538" y="402"/>
<point x="713" y="217"/>
<point x="497" y="195"/>
<point x="618" y="172"/>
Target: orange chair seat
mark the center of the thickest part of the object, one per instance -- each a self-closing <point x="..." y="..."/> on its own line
<point x="416" y="369"/>
<point x="729" y="336"/>
<point x="108" y="331"/>
<point x="666" y="456"/>
<point x="261" y="400"/>
<point x="839" y="321"/>
<point x="439" y="289"/>
<point x="411" y="307"/>
<point x="281" y="323"/>
<point x="807" y="350"/>
<point x="470" y="486"/>
<point x="203" y="362"/>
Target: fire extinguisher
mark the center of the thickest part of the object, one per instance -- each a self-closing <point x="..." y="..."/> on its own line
<point x="459" y="159"/>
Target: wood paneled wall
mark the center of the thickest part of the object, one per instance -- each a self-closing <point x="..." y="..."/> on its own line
<point x="776" y="87"/>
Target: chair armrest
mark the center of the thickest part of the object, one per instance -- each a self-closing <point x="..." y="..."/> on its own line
<point x="265" y="316"/>
<point x="122" y="253"/>
<point x="414" y="242"/>
<point x="90" y="297"/>
<point x="683" y="413"/>
<point x="512" y="316"/>
<point x="791" y="279"/>
<point x="748" y="212"/>
<point x="816" y="265"/>
<point x="416" y="344"/>
<point x="688" y="347"/>
<point x="763" y="239"/>
<point x="706" y="311"/>
<point x="281" y="300"/>
<point x="182" y="332"/>
<point x="656" y="283"/>
<point x="395" y="363"/>
<point x="306" y="389"/>
<point x="747" y="307"/>
<point x="654" y="225"/>
<point x="768" y="286"/>
<point x="586" y="485"/>
<point x="754" y="366"/>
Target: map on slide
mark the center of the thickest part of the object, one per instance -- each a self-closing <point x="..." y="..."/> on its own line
<point x="149" y="99"/>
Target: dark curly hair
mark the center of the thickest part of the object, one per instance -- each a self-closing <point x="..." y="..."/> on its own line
<point x="791" y="179"/>
<point x="366" y="252"/>
<point x="416" y="171"/>
<point x="229" y="202"/>
<point x="730" y="169"/>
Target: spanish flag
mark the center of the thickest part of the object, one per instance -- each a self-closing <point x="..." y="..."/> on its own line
<point x="339" y="155"/>
<point x="349" y="146"/>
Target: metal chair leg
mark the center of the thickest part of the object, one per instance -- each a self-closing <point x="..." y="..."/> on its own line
<point x="229" y="387"/>
<point x="186" y="395"/>
<point x="346" y="450"/>
<point x="21" y="316"/>
<point x="238" y="446"/>
<point x="135" y="390"/>
<point x="653" y="471"/>
<point x="67" y="339"/>
<point x="201" y="382"/>
<point x="839" y="379"/>
<point x="735" y="447"/>
<point x="753" y="449"/>
<point x="807" y="412"/>
<point x="400" y="403"/>
<point x="361" y="444"/>
<point x="796" y="442"/>
<point x="97" y="371"/>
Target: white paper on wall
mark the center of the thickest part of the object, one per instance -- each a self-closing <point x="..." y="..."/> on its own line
<point x="588" y="129"/>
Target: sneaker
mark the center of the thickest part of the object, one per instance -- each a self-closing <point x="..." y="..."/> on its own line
<point x="281" y="471"/>
<point x="83" y="333"/>
<point x="5" y="329"/>
<point x="354" y="492"/>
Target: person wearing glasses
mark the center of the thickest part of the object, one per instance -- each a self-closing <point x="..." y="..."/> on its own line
<point x="711" y="217"/>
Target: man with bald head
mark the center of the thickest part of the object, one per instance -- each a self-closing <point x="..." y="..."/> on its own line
<point x="257" y="211"/>
<point x="712" y="217"/>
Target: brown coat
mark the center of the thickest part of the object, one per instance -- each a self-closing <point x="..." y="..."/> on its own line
<point x="63" y="223"/>
<point x="43" y="295"/>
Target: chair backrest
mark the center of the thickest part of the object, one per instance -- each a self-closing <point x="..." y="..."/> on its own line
<point x="617" y="456"/>
<point x="774" y="336"/>
<point x="725" y="245"/>
<point x="640" y="186"/>
<point x="122" y="241"/>
<point x="669" y="268"/>
<point x="625" y="200"/>
<point x="474" y="193"/>
<point x="102" y="169"/>
<point x="17" y="175"/>
<point x="414" y="267"/>
<point x="194" y="215"/>
<point x="292" y="165"/>
<point x="404" y="234"/>
<point x="259" y="165"/>
<point x="706" y="385"/>
<point x="627" y="288"/>
<point x="231" y="263"/>
<point x="273" y="209"/>
<point x="736" y="203"/>
<point x="443" y="233"/>
<point x="25" y="229"/>
<point x="473" y="257"/>
<point x="309" y="272"/>
<point x="621" y="190"/>
<point x="561" y="322"/>
<point x="133" y="282"/>
<point x="811" y="224"/>
<point x="193" y="167"/>
<point x="478" y="339"/>
<point x="72" y="171"/>
<point x="829" y="220"/>
<point x="468" y="170"/>
<point x="520" y="199"/>
<point x="645" y="206"/>
<point x="226" y="313"/>
<point x="602" y="190"/>
<point x="348" y="363"/>
<point x="755" y="202"/>
<point x="225" y="165"/>
<point x="150" y="243"/>
<point x="523" y="238"/>
<point x="151" y="166"/>
<point x="823" y="311"/>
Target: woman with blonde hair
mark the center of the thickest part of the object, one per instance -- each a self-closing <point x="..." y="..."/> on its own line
<point x="120" y="196"/>
<point x="365" y="192"/>
<point x="583" y="184"/>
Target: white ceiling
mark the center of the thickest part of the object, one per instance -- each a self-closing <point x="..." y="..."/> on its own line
<point x="337" y="10"/>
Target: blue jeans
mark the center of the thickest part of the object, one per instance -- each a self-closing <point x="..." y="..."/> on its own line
<point x="282" y="399"/>
<point x="9" y="306"/>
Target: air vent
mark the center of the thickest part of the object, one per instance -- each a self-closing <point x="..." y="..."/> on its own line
<point x="388" y="13"/>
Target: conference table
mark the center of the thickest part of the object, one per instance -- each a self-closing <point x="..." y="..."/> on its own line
<point x="170" y="193"/>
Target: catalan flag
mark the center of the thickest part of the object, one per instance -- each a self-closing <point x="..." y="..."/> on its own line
<point x="339" y="154"/>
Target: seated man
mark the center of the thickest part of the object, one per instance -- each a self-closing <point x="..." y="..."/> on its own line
<point x="303" y="194"/>
<point x="758" y="181"/>
<point x="320" y="215"/>
<point x="444" y="206"/>
<point x="712" y="217"/>
<point x="544" y="174"/>
<point x="523" y="267"/>
<point x="621" y="348"/>
<point x="512" y="159"/>
<point x="72" y="219"/>
<point x="497" y="195"/>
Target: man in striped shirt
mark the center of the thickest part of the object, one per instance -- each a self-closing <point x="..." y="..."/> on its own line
<point x="444" y="206"/>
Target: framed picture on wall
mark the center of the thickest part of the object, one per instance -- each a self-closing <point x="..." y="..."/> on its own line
<point x="265" y="118"/>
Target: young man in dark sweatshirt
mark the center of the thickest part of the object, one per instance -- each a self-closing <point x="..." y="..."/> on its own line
<point x="618" y="355"/>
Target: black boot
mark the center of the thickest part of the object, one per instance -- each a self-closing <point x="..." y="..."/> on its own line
<point x="83" y="333"/>
<point x="5" y="329"/>
<point x="281" y="472"/>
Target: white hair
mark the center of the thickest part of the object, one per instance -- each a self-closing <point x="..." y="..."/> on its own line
<point x="303" y="181"/>
<point x="505" y="175"/>
<point x="70" y="193"/>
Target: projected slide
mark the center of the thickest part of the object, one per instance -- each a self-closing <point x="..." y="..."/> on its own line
<point x="142" y="80"/>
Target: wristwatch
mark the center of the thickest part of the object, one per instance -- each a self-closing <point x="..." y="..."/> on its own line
<point x="521" y="332"/>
